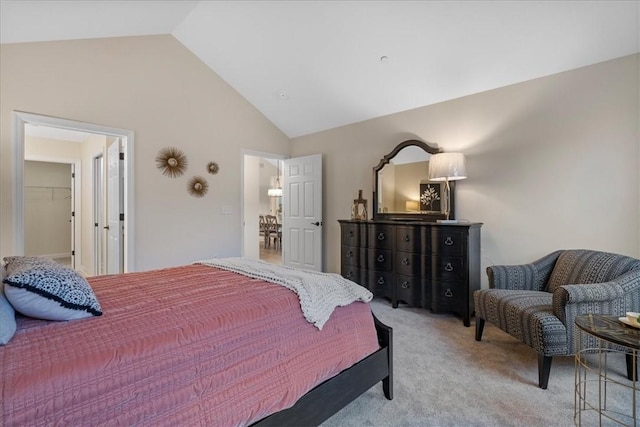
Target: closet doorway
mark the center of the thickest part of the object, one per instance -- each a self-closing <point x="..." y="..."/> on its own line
<point x="49" y="211"/>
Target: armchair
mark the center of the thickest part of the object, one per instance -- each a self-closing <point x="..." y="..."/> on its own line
<point x="537" y="303"/>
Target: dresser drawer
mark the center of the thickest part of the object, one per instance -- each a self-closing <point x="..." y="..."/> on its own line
<point x="446" y="240"/>
<point x="412" y="264"/>
<point x="381" y="236"/>
<point x="379" y="259"/>
<point x="412" y="239"/>
<point x="351" y="234"/>
<point x="447" y="296"/>
<point x="381" y="283"/>
<point x="448" y="269"/>
<point x="351" y="255"/>
<point x="354" y="274"/>
<point x="409" y="290"/>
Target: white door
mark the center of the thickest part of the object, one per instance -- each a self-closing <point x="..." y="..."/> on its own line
<point x="302" y="216"/>
<point x="114" y="208"/>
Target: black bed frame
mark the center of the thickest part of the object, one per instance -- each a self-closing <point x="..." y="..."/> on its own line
<point x="335" y="393"/>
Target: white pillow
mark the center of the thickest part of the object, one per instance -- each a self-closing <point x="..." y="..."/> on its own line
<point x="41" y="288"/>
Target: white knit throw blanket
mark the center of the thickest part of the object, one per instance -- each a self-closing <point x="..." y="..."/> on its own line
<point x="319" y="293"/>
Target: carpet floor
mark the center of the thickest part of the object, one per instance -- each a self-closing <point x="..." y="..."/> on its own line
<point x="443" y="377"/>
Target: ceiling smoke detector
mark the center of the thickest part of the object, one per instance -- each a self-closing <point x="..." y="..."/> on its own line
<point x="283" y="95"/>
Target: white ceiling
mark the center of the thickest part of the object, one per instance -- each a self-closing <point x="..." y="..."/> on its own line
<point x="315" y="65"/>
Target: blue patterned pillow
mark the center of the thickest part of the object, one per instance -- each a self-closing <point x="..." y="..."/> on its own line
<point x="7" y="319"/>
<point x="40" y="287"/>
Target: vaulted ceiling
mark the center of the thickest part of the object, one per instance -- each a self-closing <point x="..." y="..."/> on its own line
<point x="314" y="65"/>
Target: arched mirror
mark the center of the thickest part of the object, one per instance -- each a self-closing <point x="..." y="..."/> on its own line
<point x="401" y="186"/>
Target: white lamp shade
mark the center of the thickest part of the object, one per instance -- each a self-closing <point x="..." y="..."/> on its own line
<point x="447" y="167"/>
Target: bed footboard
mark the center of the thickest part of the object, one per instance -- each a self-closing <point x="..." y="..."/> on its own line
<point x="334" y="394"/>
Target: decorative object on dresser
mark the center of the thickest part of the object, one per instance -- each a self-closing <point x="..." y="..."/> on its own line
<point x="359" y="208"/>
<point x="447" y="167"/>
<point x="424" y="264"/>
<point x="403" y="254"/>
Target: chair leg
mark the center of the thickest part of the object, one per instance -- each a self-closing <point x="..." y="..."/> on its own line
<point x="630" y="376"/>
<point x="479" y="328"/>
<point x="544" y="368"/>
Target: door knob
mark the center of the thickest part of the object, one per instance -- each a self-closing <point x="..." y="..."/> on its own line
<point x="317" y="223"/>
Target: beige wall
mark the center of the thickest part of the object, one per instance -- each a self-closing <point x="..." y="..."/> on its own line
<point x="552" y="163"/>
<point x="155" y="87"/>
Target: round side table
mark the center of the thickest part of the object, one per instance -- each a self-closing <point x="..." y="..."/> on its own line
<point x="602" y="396"/>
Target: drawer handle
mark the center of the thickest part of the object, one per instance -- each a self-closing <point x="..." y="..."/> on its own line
<point x="380" y="280"/>
<point x="380" y="258"/>
<point x="405" y="261"/>
<point x="405" y="285"/>
<point x="349" y="254"/>
<point x="407" y="238"/>
<point x="350" y="233"/>
<point x="448" y="267"/>
<point x="448" y="241"/>
<point x="350" y="275"/>
<point x="448" y="293"/>
<point x="381" y="236"/>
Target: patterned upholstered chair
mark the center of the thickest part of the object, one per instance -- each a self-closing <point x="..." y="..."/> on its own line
<point x="538" y="302"/>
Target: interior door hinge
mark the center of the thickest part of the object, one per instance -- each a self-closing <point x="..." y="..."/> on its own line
<point x="122" y="217"/>
<point x="121" y="156"/>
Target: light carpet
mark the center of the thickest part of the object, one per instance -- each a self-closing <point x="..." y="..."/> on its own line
<point x="443" y="377"/>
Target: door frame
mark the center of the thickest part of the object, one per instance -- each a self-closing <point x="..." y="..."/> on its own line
<point x="97" y="173"/>
<point x="20" y="119"/>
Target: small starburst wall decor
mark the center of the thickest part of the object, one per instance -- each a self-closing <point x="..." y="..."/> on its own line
<point x="172" y="162"/>
<point x="198" y="186"/>
<point x="213" y="168"/>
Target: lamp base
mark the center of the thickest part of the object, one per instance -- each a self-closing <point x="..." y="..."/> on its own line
<point x="447" y="221"/>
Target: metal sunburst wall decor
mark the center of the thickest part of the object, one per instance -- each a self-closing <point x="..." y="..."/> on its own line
<point x="172" y="162"/>
<point x="213" y="168"/>
<point x="198" y="186"/>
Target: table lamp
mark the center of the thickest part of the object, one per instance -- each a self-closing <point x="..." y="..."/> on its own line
<point x="447" y="167"/>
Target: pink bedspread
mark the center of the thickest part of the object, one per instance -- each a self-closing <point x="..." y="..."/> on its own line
<point x="191" y="345"/>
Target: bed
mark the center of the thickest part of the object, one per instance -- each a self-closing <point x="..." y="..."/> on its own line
<point x="192" y="345"/>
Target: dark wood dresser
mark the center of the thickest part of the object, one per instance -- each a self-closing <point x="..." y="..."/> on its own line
<point x="423" y="264"/>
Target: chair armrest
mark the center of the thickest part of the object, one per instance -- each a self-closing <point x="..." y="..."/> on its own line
<point x="529" y="277"/>
<point x="607" y="298"/>
<point x="570" y="301"/>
